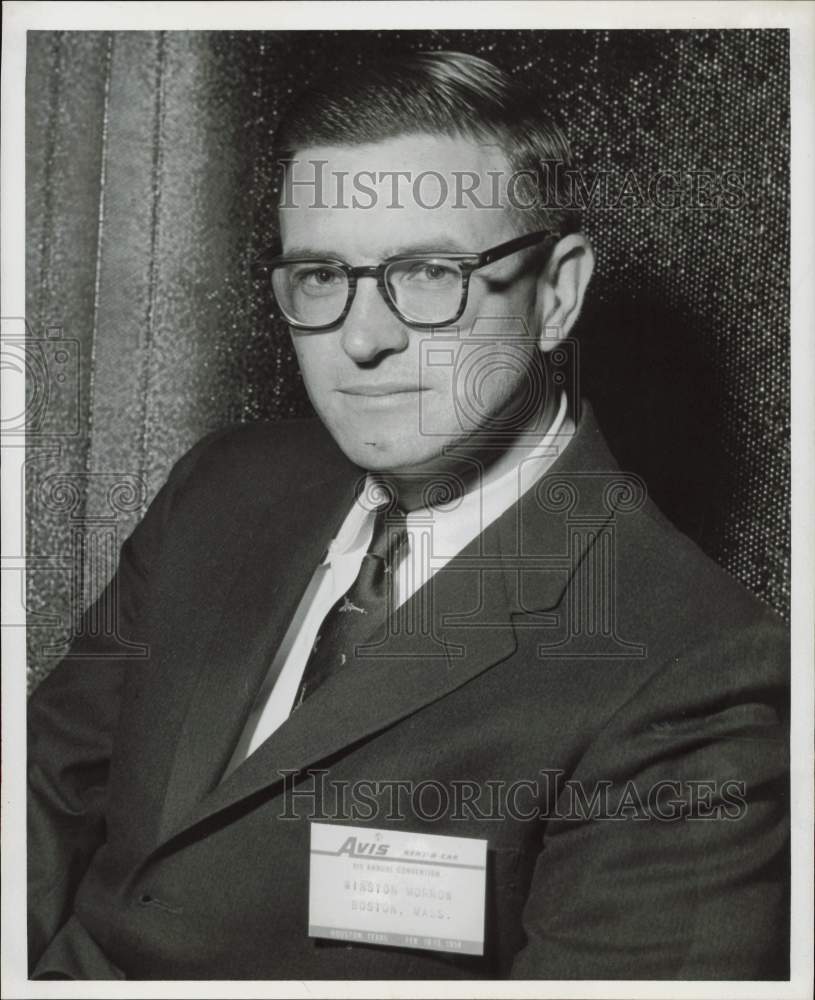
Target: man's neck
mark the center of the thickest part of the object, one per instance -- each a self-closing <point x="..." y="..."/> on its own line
<point x="471" y="464"/>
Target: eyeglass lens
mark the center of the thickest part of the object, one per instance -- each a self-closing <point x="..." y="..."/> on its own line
<point x="314" y="293"/>
<point x="310" y="294"/>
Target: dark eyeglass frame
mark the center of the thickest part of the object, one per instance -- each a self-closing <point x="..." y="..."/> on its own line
<point x="266" y="262"/>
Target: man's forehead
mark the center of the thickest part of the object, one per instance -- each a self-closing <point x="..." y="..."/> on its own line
<point x="414" y="151"/>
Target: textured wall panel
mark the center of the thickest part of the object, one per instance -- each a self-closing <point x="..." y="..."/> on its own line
<point x="150" y="189"/>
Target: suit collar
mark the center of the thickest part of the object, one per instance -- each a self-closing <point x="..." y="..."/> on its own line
<point x="540" y="550"/>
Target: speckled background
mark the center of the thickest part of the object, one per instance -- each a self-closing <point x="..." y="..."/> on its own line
<point x="149" y="191"/>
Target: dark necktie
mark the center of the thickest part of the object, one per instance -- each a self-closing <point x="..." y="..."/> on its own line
<point x="365" y="605"/>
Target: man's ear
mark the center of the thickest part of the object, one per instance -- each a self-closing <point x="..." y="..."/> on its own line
<point x="561" y="288"/>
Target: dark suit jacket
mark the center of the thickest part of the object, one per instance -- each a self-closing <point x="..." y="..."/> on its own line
<point x="581" y="643"/>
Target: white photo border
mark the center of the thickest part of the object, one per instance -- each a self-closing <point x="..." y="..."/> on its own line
<point x="18" y="18"/>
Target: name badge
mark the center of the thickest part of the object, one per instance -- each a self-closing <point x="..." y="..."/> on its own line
<point x="388" y="887"/>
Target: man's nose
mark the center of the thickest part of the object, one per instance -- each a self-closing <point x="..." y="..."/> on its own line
<point x="371" y="328"/>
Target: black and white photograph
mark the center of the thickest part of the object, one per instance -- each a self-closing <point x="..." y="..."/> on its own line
<point x="406" y="513"/>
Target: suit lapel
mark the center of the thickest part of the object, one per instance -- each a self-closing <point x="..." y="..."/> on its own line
<point x="559" y="545"/>
<point x="259" y="601"/>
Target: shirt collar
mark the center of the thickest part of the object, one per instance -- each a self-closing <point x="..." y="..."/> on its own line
<point x="455" y="524"/>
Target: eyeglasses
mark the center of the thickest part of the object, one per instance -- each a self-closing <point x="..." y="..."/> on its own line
<point x="424" y="290"/>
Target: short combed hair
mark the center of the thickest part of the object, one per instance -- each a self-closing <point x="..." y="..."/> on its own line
<point x="441" y="93"/>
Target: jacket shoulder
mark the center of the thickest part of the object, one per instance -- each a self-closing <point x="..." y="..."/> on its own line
<point x="263" y="456"/>
<point x="661" y="575"/>
<point x="674" y="582"/>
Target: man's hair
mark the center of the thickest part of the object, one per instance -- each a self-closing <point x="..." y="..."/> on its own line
<point x="441" y="93"/>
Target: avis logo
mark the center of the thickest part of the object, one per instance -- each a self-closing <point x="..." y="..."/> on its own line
<point x="360" y="848"/>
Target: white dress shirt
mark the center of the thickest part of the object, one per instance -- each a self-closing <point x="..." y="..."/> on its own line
<point x="435" y="534"/>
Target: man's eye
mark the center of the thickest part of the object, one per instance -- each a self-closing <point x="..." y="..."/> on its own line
<point x="432" y="272"/>
<point x="317" y="280"/>
<point x="319" y="276"/>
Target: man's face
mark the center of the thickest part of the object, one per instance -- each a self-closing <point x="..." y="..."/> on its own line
<point x="395" y="397"/>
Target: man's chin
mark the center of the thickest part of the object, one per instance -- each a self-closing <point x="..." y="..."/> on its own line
<point x="380" y="452"/>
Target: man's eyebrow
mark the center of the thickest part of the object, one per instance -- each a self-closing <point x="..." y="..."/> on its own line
<point x="425" y="247"/>
<point x="442" y="245"/>
<point x="300" y="250"/>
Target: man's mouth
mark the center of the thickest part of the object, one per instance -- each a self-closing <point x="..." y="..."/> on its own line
<point x="374" y="389"/>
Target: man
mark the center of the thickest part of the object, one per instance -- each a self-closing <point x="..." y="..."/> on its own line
<point x="445" y="585"/>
